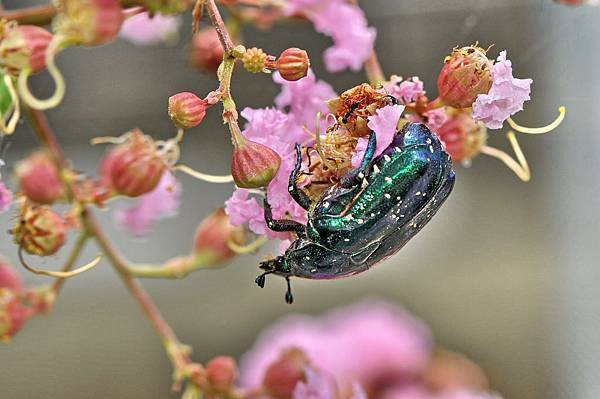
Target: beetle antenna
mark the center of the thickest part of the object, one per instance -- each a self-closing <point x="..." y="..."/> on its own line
<point x="289" y="298"/>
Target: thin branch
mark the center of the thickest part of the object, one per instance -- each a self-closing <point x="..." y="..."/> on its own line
<point x="217" y="21"/>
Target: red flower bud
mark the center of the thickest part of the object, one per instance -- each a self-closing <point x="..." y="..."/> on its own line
<point x="462" y="136"/>
<point x="293" y="64"/>
<point x="253" y="165"/>
<point x="39" y="230"/>
<point x="24" y="47"/>
<point x="134" y="167"/>
<point x="205" y="52"/>
<point x="221" y="372"/>
<point x="467" y="73"/>
<point x="282" y="376"/>
<point x="187" y="110"/>
<point x="38" y="178"/>
<point x="90" y="22"/>
<point x="212" y="236"/>
<point x="12" y="314"/>
<point x="9" y="278"/>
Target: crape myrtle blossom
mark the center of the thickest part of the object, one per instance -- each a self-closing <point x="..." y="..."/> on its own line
<point x="346" y="24"/>
<point x="319" y="385"/>
<point x="6" y="197"/>
<point x="160" y="203"/>
<point x="505" y="97"/>
<point x="143" y="30"/>
<point x="405" y="91"/>
<point x="418" y="392"/>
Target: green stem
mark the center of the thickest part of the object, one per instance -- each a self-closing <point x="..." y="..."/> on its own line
<point x="174" y="269"/>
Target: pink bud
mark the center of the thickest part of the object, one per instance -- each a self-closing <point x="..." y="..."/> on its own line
<point x="187" y="110"/>
<point x="90" y="22"/>
<point x="38" y="178"/>
<point x="221" y="372"/>
<point x="254" y="165"/>
<point x="293" y="64"/>
<point x="9" y="278"/>
<point x="12" y="314"/>
<point x="24" y="47"/>
<point x="134" y="167"/>
<point x="462" y="136"/>
<point x="39" y="230"/>
<point x="467" y="73"/>
<point x="213" y="234"/>
<point x="285" y="373"/>
<point x="205" y="51"/>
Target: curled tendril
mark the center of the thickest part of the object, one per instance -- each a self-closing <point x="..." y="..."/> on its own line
<point x="51" y="273"/>
<point x="520" y="166"/>
<point x="14" y="111"/>
<point x="247" y="248"/>
<point x="203" y="176"/>
<point x="539" y="130"/>
<point x="59" y="81"/>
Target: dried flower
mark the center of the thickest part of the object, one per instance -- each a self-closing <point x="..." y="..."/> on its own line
<point x="134" y="167"/>
<point x="505" y="98"/>
<point x="221" y="372"/>
<point x="462" y="136"/>
<point x="39" y="230"/>
<point x="39" y="179"/>
<point x="90" y="22"/>
<point x="465" y="75"/>
<point x="253" y="165"/>
<point x="24" y="47"/>
<point x="293" y="64"/>
<point x="205" y="52"/>
<point x="212" y="237"/>
<point x="144" y="30"/>
<point x="187" y="110"/>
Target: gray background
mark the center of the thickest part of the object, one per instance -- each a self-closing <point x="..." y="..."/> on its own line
<point x="506" y="273"/>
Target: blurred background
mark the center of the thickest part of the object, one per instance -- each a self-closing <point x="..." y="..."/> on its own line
<point x="507" y="273"/>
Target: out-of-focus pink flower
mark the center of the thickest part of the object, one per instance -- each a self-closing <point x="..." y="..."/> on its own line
<point x="9" y="278"/>
<point x="384" y="123"/>
<point x="6" y="197"/>
<point x="317" y="386"/>
<point x="162" y="202"/>
<point x="362" y="343"/>
<point x="436" y="118"/>
<point x="406" y="91"/>
<point x="143" y="30"/>
<point x="346" y="24"/>
<point x="419" y="392"/>
<point x="505" y="98"/>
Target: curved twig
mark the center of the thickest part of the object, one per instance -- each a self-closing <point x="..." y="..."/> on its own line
<point x="64" y="274"/>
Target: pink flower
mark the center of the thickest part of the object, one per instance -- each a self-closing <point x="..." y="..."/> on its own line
<point x="505" y="98"/>
<point x="346" y="24"/>
<point x="436" y="118"/>
<point x="406" y="91"/>
<point x="362" y="343"/>
<point x="143" y="30"/>
<point x="162" y="202"/>
<point x="6" y="197"/>
<point x="317" y="386"/>
<point x="243" y="209"/>
<point x="419" y="392"/>
<point x="384" y="123"/>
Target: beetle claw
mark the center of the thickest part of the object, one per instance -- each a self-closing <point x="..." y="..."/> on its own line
<point x="260" y="280"/>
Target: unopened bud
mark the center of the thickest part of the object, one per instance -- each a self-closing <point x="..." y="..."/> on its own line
<point x="285" y="373"/>
<point x="206" y="52"/>
<point x="187" y="110"/>
<point x="253" y="165"/>
<point x="462" y="136"/>
<point x="467" y="73"/>
<point x="9" y="278"/>
<point x="293" y="64"/>
<point x="134" y="167"/>
<point x="39" y="230"/>
<point x="255" y="60"/>
<point x="221" y="372"/>
<point x="24" y="48"/>
<point x="212" y="237"/>
<point x="90" y="22"/>
<point x="12" y="314"/>
<point x="38" y="178"/>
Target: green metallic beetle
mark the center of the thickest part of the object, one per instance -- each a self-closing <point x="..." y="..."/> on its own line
<point x="370" y="214"/>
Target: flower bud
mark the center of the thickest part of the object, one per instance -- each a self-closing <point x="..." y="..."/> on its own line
<point x="293" y="64"/>
<point x="255" y="60"/>
<point x="167" y="7"/>
<point x="12" y="314"/>
<point x="448" y="371"/>
<point x="462" y="136"/>
<point x="212" y="236"/>
<point x="221" y="372"/>
<point x="24" y="47"/>
<point x="205" y="52"/>
<point x="187" y="110"/>
<point x="39" y="230"/>
<point x="467" y="73"/>
<point x="9" y="278"/>
<point x="285" y="373"/>
<point x="90" y="22"/>
<point x="38" y="178"/>
<point x="253" y="165"/>
<point x="134" y="167"/>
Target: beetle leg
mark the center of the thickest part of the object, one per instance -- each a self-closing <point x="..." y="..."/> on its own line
<point x="284" y="224"/>
<point x="296" y="192"/>
<point x="356" y="176"/>
<point x="289" y="298"/>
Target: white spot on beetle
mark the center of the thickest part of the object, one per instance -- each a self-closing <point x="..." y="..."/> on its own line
<point x="388" y="179"/>
<point x="376" y="169"/>
<point x="386" y="195"/>
<point x="387" y="158"/>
